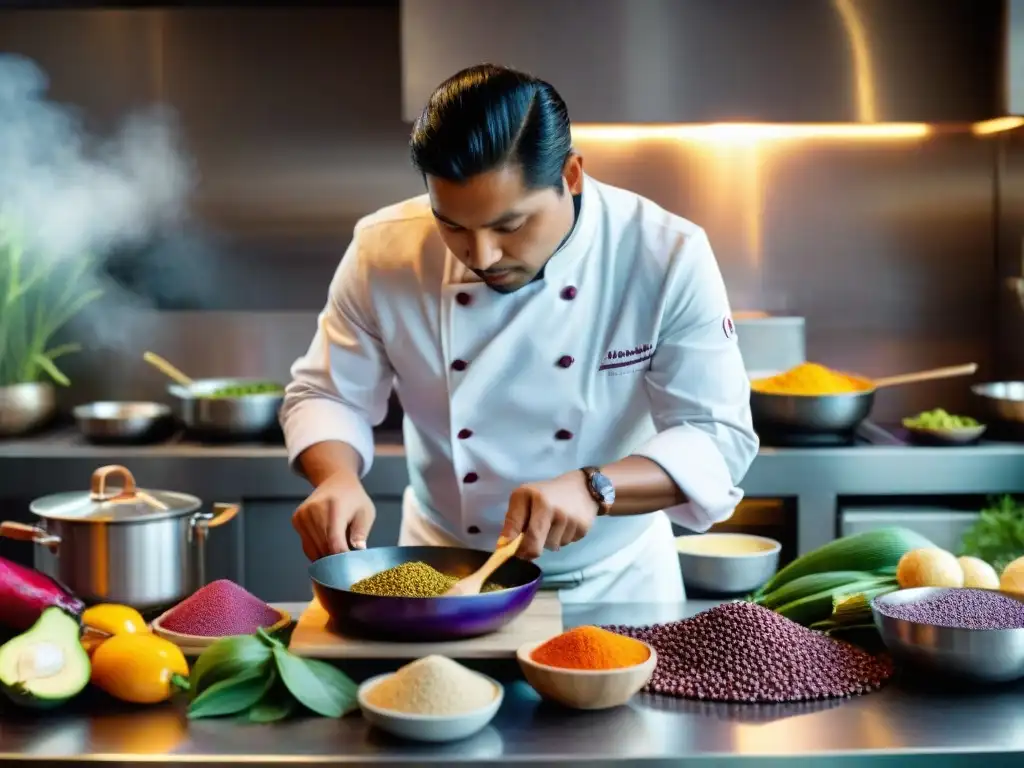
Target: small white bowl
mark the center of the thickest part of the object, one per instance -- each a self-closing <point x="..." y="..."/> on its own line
<point x="585" y="688"/>
<point x="730" y="573"/>
<point x="432" y="728"/>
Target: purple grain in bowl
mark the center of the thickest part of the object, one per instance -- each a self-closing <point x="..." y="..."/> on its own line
<point x="959" y="609"/>
<point x="970" y="634"/>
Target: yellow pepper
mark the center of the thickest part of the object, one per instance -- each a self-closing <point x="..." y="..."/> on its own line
<point x="139" y="668"/>
<point x="113" y="619"/>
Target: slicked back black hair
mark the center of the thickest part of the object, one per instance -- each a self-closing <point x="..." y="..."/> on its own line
<point x="486" y="117"/>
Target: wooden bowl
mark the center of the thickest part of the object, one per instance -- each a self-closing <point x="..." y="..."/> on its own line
<point x="585" y="689"/>
<point x="193" y="645"/>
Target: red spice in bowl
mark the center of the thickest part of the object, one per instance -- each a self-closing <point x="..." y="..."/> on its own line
<point x="220" y="609"/>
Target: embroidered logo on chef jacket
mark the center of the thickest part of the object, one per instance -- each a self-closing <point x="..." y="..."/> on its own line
<point x="728" y="327"/>
<point x="626" y="358"/>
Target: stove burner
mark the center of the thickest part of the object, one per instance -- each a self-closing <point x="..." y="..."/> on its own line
<point x="771" y="439"/>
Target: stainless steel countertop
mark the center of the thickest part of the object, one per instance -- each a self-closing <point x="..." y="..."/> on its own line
<point x="906" y="724"/>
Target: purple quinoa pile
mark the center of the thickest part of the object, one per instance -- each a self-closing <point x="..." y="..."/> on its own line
<point x="741" y="652"/>
<point x="959" y="609"/>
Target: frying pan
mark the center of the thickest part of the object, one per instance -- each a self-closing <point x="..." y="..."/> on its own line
<point x="420" y="619"/>
<point x="800" y="415"/>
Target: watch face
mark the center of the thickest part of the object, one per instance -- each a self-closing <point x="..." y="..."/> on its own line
<point x="604" y="487"/>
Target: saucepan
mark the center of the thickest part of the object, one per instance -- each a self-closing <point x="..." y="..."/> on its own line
<point x="838" y="414"/>
<point x="420" y="619"/>
<point x="242" y="408"/>
<point x="118" y="543"/>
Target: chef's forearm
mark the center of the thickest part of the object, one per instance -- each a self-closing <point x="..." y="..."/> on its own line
<point x="323" y="460"/>
<point x="641" y="486"/>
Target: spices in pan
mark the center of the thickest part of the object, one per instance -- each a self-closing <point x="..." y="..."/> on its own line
<point x="410" y="580"/>
<point x="742" y="652"/>
<point x="433" y="685"/>
<point x="220" y="609"/>
<point x="591" y="648"/>
<point x="811" y="379"/>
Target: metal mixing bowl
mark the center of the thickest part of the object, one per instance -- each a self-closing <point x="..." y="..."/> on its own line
<point x="810" y="414"/>
<point x="128" y="422"/>
<point x="26" y="407"/>
<point x="1002" y="400"/>
<point x="420" y="619"/>
<point x="729" y="574"/>
<point x="981" y="655"/>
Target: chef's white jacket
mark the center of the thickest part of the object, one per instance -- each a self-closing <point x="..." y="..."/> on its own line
<point x="625" y="347"/>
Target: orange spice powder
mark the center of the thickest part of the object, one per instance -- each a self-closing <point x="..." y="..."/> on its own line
<point x="591" y="648"/>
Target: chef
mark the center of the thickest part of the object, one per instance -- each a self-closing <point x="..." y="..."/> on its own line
<point x="563" y="350"/>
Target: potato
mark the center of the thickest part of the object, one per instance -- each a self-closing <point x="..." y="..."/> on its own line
<point x="929" y="567"/>
<point x="978" y="573"/>
<point x="1012" y="579"/>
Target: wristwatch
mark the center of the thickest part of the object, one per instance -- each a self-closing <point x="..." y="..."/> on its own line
<point x="601" y="489"/>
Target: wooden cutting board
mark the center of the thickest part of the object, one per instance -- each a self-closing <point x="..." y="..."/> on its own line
<point x="541" y="620"/>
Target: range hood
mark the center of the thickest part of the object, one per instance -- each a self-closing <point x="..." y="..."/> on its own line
<point x="711" y="61"/>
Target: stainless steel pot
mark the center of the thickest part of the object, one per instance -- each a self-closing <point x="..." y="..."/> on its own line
<point x="145" y="549"/>
<point x="249" y="416"/>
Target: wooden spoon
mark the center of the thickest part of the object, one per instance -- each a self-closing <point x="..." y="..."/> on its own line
<point x="167" y="369"/>
<point x="472" y="584"/>
<point x="934" y="373"/>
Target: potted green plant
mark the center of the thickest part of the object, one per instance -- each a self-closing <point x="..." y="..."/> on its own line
<point x="38" y="296"/>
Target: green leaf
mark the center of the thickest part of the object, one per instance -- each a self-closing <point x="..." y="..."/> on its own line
<point x="227" y="658"/>
<point x="231" y="696"/>
<point x="63" y="349"/>
<point x="317" y="685"/>
<point x="277" y="704"/>
<point x="268" y="639"/>
<point x="55" y="373"/>
<point x="997" y="537"/>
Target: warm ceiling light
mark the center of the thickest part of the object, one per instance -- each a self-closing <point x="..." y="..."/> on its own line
<point x="741" y="132"/>
<point x="996" y="125"/>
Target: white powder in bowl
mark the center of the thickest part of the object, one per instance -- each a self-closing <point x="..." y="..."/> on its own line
<point x="433" y="685"/>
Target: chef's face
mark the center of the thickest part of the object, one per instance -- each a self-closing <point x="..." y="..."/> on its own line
<point x="499" y="228"/>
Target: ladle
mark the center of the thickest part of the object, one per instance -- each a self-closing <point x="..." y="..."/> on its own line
<point x="167" y="369"/>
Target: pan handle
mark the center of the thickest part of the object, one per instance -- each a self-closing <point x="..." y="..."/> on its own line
<point x="33" y="533"/>
<point x="199" y="528"/>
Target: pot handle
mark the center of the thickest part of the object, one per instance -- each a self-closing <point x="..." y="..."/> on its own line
<point x="35" y="534"/>
<point x="99" y="490"/>
<point x="199" y="526"/>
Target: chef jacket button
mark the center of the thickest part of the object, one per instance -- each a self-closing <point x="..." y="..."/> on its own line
<point x="563" y="434"/>
<point x="465" y="434"/>
<point x="565" y="361"/>
<point x="471" y="477"/>
<point x="473" y="530"/>
<point x="569" y="292"/>
<point x="463" y="298"/>
<point x="460" y="365"/>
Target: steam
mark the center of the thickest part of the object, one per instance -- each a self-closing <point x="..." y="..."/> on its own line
<point x="78" y="196"/>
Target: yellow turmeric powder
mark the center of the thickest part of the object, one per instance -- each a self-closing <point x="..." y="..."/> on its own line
<point x="811" y="379"/>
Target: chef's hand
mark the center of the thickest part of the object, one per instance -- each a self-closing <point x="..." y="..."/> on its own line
<point x="551" y="513"/>
<point x="336" y="517"/>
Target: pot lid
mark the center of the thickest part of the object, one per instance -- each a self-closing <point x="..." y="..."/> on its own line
<point x="110" y="501"/>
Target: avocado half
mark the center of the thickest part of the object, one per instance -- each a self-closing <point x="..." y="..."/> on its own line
<point x="45" y="665"/>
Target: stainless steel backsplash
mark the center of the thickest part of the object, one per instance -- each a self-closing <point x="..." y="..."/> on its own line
<point x="292" y="117"/>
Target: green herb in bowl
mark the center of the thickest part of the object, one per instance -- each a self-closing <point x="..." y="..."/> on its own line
<point x="247" y="389"/>
<point x="939" y="420"/>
